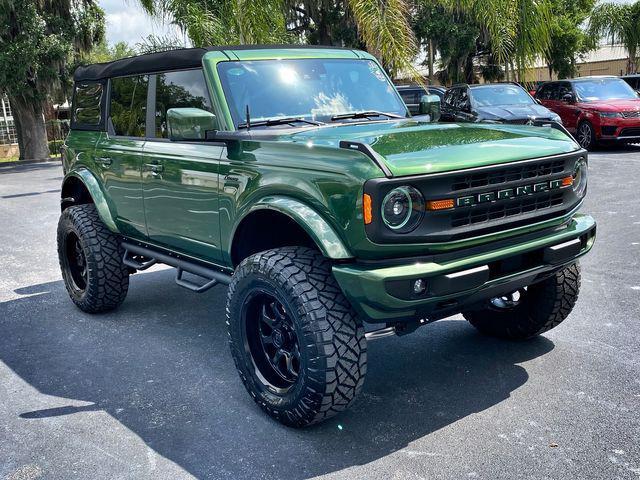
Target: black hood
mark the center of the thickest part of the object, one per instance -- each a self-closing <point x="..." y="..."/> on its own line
<point x="510" y="113"/>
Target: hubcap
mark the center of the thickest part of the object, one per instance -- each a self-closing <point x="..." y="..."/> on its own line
<point x="77" y="261"/>
<point x="271" y="341"/>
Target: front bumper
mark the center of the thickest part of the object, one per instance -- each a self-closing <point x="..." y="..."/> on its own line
<point x="382" y="294"/>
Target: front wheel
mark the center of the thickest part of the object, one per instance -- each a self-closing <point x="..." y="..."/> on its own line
<point x="586" y="136"/>
<point x="298" y="346"/>
<point x="530" y="311"/>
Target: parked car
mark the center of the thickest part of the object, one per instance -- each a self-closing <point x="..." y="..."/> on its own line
<point x="595" y="109"/>
<point x="411" y="95"/>
<point x="297" y="177"/>
<point x="633" y="81"/>
<point x="496" y="102"/>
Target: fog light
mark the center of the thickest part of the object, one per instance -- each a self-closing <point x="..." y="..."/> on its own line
<point x="419" y="286"/>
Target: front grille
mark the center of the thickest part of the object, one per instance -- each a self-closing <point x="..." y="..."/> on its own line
<point x="635" y="114"/>
<point x="482" y="214"/>
<point x="630" y="132"/>
<point x="487" y="212"/>
<point x="506" y="175"/>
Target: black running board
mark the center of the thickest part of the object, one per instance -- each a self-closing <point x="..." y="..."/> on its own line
<point x="151" y="256"/>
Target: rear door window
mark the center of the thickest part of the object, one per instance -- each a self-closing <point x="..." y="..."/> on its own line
<point x="182" y="89"/>
<point x="128" y="106"/>
<point x="87" y="105"/>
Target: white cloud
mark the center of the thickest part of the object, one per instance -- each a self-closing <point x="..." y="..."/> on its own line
<point x="127" y="22"/>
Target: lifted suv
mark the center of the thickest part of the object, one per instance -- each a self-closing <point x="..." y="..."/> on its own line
<point x="298" y="178"/>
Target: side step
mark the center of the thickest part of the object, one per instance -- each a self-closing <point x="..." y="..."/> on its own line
<point x="141" y="258"/>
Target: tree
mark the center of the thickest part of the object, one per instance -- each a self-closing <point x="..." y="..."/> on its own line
<point x="569" y="41"/>
<point x="102" y="52"/>
<point x="38" y="42"/>
<point x="621" y="24"/>
<point x="382" y="25"/>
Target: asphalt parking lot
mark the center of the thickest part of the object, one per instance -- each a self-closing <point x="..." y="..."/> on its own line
<point x="150" y="391"/>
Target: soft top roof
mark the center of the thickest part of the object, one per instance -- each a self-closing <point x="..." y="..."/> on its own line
<point x="170" y="60"/>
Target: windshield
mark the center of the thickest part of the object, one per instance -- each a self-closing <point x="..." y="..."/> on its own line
<point x="500" y="95"/>
<point x="313" y="89"/>
<point x="604" y="89"/>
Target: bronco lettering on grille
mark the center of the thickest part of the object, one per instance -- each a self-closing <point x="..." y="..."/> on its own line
<point x="507" y="193"/>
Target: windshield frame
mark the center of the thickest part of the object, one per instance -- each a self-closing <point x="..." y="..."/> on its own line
<point x="476" y="104"/>
<point x="581" y="99"/>
<point x="235" y="122"/>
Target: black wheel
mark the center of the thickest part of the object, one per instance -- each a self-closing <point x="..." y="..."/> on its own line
<point x="91" y="260"/>
<point x="586" y="136"/>
<point x="530" y="311"/>
<point x="298" y="346"/>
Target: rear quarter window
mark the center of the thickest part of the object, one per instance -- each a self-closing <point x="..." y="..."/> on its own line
<point x="87" y="106"/>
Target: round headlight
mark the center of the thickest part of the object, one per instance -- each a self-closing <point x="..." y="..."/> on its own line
<point x="580" y="177"/>
<point x="402" y="209"/>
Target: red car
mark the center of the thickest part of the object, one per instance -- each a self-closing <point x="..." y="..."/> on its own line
<point x="594" y="109"/>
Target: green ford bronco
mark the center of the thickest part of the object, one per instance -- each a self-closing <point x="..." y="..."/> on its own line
<point x="297" y="177"/>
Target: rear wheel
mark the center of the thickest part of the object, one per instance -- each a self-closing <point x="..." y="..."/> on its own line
<point x="298" y="346"/>
<point x="530" y="311"/>
<point x="91" y="260"/>
<point x="586" y="135"/>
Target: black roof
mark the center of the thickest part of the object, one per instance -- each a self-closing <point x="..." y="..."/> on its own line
<point x="170" y="60"/>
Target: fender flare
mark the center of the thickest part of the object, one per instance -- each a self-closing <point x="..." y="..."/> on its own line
<point x="323" y="235"/>
<point x="99" y="200"/>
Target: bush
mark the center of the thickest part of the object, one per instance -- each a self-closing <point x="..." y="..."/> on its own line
<point x="54" y="146"/>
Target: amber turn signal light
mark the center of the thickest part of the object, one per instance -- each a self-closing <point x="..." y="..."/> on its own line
<point x="366" y="209"/>
<point x="567" y="181"/>
<point x="440" y="204"/>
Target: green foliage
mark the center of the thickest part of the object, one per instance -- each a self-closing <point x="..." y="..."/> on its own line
<point x="569" y="41"/>
<point x="620" y="23"/>
<point x="452" y="33"/>
<point x="38" y="43"/>
<point x="225" y="22"/>
<point x="101" y="52"/>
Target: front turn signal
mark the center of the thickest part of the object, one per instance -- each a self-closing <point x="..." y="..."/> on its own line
<point x="366" y="209"/>
<point x="567" y="181"/>
<point x="440" y="204"/>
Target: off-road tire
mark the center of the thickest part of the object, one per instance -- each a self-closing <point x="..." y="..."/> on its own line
<point x="333" y="350"/>
<point x="543" y="307"/>
<point x="107" y="278"/>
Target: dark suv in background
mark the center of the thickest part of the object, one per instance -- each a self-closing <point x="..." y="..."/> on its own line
<point x="411" y="95"/>
<point x="595" y="109"/>
<point x="497" y="102"/>
<point x="633" y="81"/>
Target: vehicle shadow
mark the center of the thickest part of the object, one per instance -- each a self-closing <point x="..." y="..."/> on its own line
<point x="160" y="365"/>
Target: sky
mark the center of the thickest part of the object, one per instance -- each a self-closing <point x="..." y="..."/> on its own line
<point x="126" y="21"/>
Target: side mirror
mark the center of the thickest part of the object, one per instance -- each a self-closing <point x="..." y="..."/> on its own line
<point x="190" y="123"/>
<point x="430" y="105"/>
<point x="568" y="98"/>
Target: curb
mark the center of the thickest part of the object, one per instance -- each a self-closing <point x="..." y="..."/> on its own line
<point x="28" y="162"/>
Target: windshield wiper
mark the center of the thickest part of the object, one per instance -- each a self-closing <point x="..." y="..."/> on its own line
<point x="367" y="114"/>
<point x="278" y="121"/>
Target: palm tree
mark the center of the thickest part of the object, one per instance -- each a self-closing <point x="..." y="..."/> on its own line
<point x="517" y="30"/>
<point x="383" y="25"/>
<point x="621" y="24"/>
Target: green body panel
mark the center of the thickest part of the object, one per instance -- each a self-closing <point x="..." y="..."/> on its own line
<point x="318" y="229"/>
<point x="190" y="197"/>
<point x="181" y="200"/>
<point x="103" y="206"/>
<point x="365" y="285"/>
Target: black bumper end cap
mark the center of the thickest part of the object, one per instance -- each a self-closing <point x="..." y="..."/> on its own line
<point x="562" y="252"/>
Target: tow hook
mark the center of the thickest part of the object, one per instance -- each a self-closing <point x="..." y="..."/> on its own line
<point x="399" y="329"/>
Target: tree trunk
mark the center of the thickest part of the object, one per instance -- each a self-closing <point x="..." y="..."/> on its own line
<point x="431" y="62"/>
<point x="30" y="128"/>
